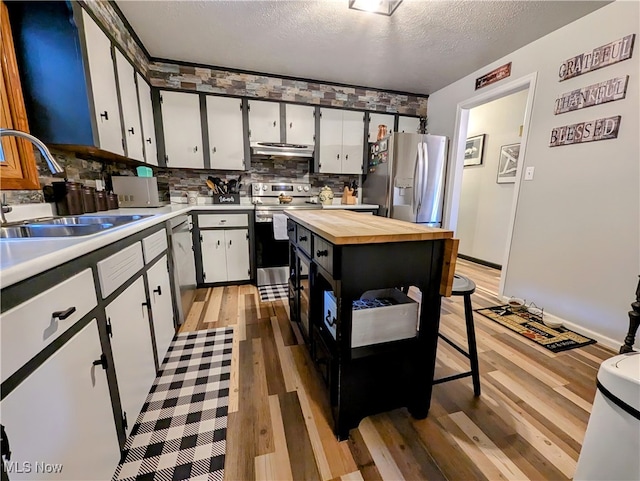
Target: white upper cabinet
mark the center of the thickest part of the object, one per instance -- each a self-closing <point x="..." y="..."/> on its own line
<point x="182" y="129"/>
<point x="341" y="141"/>
<point x="226" y="141"/>
<point x="376" y="120"/>
<point x="130" y="109"/>
<point x="148" y="125"/>
<point x="103" y="86"/>
<point x="301" y="124"/>
<point x="408" y="124"/>
<point x="264" y="121"/>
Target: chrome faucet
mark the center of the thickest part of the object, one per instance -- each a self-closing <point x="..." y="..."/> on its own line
<point x="53" y="165"/>
<point x="4" y="209"/>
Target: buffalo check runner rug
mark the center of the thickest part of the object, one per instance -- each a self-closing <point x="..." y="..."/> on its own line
<point x="273" y="292"/>
<point x="181" y="431"/>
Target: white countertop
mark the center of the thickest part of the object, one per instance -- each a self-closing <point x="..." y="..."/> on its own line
<point x="24" y="258"/>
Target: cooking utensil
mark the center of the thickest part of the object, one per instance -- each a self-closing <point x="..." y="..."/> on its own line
<point x="233" y="183"/>
<point x="212" y="186"/>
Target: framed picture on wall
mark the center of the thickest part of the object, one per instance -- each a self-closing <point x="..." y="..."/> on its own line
<point x="508" y="163"/>
<point x="473" y="150"/>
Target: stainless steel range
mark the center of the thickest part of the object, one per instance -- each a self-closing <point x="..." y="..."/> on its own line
<point x="272" y="255"/>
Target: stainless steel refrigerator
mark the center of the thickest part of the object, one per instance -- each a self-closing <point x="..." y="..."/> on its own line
<point x="406" y="177"/>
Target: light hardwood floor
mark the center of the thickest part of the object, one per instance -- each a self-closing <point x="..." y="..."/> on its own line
<point x="528" y="423"/>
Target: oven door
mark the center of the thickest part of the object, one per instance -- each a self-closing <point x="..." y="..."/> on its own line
<point x="272" y="256"/>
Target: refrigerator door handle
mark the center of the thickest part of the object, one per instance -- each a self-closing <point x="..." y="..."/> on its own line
<point x="425" y="172"/>
<point x="416" y="183"/>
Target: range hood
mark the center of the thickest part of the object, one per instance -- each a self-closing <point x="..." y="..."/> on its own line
<point x="278" y="149"/>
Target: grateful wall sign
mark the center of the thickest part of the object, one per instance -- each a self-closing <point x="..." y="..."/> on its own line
<point x="590" y="131"/>
<point x="596" y="94"/>
<point x="599" y="57"/>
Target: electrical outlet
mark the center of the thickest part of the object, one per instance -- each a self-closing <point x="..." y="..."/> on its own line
<point x="99" y="184"/>
<point x="528" y="173"/>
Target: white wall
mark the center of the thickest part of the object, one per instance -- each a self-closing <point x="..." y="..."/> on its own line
<point x="576" y="244"/>
<point x="485" y="205"/>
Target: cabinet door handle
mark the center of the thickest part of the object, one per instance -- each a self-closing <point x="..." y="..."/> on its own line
<point x="229" y="243"/>
<point x="322" y="253"/>
<point x="195" y="149"/>
<point x="274" y="123"/>
<point x="101" y="362"/>
<point x="149" y="140"/>
<point x="105" y="115"/>
<point x="62" y="315"/>
<point x="291" y="125"/>
<point x="146" y="304"/>
<point x="346" y="157"/>
<point x="131" y="131"/>
<point x="302" y="238"/>
<point x="214" y="150"/>
<point x="4" y="441"/>
<point x="338" y="156"/>
<point x="290" y="229"/>
<point x="218" y="243"/>
<point x="158" y="290"/>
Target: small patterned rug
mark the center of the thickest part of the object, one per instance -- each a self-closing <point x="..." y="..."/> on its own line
<point x="273" y="292"/>
<point x="181" y="432"/>
<point x="556" y="339"/>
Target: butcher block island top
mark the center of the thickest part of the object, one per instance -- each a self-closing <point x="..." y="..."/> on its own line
<point x="343" y="227"/>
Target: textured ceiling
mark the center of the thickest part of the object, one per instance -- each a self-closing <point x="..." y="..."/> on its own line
<point x="423" y="47"/>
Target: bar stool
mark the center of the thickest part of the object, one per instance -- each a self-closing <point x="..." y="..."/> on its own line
<point x="463" y="286"/>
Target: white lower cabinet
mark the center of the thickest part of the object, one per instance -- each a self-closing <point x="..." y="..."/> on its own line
<point x="161" y="306"/>
<point x="59" y="421"/>
<point x="132" y="349"/>
<point x="225" y="255"/>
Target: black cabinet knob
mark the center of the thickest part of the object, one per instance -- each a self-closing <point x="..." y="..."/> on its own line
<point x="158" y="290"/>
<point x="290" y="229"/>
<point x="105" y="115"/>
<point x="302" y="238"/>
<point x="323" y="253"/>
<point x="149" y="140"/>
<point x="101" y="362"/>
<point x="131" y="131"/>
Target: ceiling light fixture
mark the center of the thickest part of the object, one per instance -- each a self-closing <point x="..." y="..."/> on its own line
<point x="381" y="7"/>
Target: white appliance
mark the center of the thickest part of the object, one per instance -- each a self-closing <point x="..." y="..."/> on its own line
<point x="611" y="446"/>
<point x="406" y="177"/>
<point x="281" y="149"/>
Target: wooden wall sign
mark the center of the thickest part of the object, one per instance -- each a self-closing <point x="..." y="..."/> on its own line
<point x="600" y="93"/>
<point x="495" y="75"/>
<point x="603" y="56"/>
<point x="600" y="129"/>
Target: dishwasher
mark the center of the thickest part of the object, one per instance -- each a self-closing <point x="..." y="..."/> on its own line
<point x="184" y="265"/>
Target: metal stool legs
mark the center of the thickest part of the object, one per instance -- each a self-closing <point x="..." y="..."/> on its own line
<point x="468" y="287"/>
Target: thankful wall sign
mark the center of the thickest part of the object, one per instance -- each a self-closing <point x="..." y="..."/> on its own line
<point x="596" y="94"/>
<point x="599" y="57"/>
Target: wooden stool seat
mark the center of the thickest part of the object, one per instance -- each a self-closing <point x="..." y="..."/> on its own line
<point x="463" y="286"/>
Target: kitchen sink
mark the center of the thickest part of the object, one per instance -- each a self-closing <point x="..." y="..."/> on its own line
<point x="68" y="226"/>
<point x="90" y="219"/>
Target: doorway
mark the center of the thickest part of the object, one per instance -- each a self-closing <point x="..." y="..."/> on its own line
<point x="458" y="215"/>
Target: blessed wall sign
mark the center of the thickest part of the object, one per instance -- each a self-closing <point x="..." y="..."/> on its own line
<point x="596" y="94"/>
<point x="590" y="131"/>
<point x="599" y="57"/>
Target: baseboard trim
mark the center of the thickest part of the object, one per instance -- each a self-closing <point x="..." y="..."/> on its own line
<point x="480" y="261"/>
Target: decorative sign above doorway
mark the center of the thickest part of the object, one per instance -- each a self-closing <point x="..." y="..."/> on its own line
<point x="600" y="93"/>
<point x="590" y="131"/>
<point x="495" y="75"/>
<point x="599" y="57"/>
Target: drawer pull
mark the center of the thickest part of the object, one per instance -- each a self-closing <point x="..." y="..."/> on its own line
<point x="62" y="315"/>
<point x="222" y="221"/>
<point x="290" y="229"/>
<point x="101" y="362"/>
<point x="302" y="238"/>
<point x="158" y="290"/>
<point x="331" y="321"/>
<point x="323" y="253"/>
